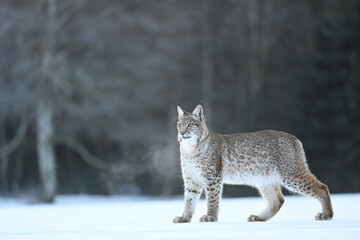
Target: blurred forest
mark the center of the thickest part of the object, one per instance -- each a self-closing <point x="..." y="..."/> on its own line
<point x="88" y="89"/>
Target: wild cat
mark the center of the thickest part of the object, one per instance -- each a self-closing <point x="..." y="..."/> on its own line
<point x="266" y="160"/>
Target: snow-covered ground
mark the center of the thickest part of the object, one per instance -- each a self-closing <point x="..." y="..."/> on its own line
<point x="86" y="218"/>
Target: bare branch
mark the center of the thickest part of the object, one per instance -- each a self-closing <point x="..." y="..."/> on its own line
<point x="129" y="169"/>
<point x="69" y="11"/>
<point x="15" y="142"/>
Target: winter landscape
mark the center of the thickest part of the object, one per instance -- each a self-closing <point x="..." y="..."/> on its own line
<point x="89" y="123"/>
<point x="97" y="217"/>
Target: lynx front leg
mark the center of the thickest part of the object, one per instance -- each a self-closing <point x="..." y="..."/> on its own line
<point x="192" y="194"/>
<point x="213" y="195"/>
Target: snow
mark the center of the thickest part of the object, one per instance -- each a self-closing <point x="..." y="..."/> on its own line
<point x="89" y="217"/>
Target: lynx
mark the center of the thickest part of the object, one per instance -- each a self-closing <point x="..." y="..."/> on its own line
<point x="266" y="160"/>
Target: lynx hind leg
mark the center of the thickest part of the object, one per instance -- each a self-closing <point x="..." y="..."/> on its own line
<point x="306" y="184"/>
<point x="275" y="200"/>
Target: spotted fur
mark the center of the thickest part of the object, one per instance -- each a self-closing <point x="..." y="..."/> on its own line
<point x="266" y="160"/>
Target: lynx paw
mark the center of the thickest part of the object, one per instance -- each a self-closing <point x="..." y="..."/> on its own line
<point x="181" y="220"/>
<point x="207" y="218"/>
<point x="321" y="216"/>
<point x="254" y="218"/>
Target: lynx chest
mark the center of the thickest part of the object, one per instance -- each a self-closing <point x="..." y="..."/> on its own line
<point x="192" y="169"/>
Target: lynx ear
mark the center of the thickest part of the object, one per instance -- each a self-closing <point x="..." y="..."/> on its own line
<point x="180" y="111"/>
<point x="198" y="112"/>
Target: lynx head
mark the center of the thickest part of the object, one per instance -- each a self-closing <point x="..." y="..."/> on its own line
<point x="191" y="126"/>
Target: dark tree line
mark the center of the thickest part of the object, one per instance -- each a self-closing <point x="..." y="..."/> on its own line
<point x="329" y="97"/>
<point x="88" y="89"/>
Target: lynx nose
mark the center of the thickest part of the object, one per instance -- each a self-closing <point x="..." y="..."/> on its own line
<point x="182" y="133"/>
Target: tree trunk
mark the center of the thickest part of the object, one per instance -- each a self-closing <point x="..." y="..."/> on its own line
<point x="241" y="101"/>
<point x="4" y="173"/>
<point x="18" y="172"/>
<point x="207" y="61"/>
<point x="45" y="149"/>
<point x="44" y="111"/>
<point x="254" y="36"/>
<point x="4" y="162"/>
<point x="6" y="150"/>
<point x="171" y="154"/>
<point x="259" y="34"/>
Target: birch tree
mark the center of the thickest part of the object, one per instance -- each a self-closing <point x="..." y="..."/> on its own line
<point x="44" y="110"/>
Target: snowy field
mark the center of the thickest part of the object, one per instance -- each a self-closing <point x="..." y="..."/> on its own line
<point x="86" y="218"/>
